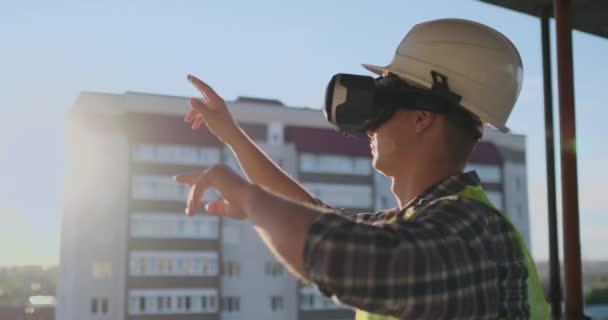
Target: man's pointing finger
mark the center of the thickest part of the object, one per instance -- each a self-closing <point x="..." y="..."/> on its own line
<point x="205" y="89"/>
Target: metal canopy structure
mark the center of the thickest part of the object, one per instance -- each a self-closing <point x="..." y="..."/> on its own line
<point x="590" y="16"/>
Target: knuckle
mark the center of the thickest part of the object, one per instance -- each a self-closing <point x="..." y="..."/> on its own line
<point x="218" y="168"/>
<point x="194" y="174"/>
<point x="222" y="167"/>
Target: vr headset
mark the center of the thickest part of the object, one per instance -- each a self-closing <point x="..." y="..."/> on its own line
<point x="355" y="104"/>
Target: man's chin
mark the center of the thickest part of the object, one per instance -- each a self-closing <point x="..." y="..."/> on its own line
<point x="377" y="165"/>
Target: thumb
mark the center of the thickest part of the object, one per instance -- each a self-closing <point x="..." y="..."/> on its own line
<point x="200" y="106"/>
<point x="223" y="208"/>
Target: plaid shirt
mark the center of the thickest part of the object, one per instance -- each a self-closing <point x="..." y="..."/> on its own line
<point x="444" y="257"/>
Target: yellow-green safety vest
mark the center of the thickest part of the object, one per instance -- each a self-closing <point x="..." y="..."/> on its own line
<point x="539" y="308"/>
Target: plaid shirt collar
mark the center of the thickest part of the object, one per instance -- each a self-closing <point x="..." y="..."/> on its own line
<point x="443" y="188"/>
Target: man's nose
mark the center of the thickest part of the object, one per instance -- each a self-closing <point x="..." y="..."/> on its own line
<point x="371" y="133"/>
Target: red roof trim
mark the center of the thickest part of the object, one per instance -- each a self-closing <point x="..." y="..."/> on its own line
<point x="317" y="140"/>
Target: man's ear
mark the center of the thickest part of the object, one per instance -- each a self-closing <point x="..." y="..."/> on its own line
<point x="423" y="119"/>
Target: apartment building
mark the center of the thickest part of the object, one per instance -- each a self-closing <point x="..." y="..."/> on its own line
<point x="129" y="252"/>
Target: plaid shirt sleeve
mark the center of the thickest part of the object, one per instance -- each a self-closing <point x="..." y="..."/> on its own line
<point x="434" y="267"/>
<point x="365" y="217"/>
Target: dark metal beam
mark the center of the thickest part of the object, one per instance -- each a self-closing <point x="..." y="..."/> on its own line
<point x="589" y="16"/>
<point x="572" y="246"/>
<point x="554" y="269"/>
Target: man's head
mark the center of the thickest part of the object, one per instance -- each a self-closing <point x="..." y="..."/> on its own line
<point x="457" y="75"/>
<point x="409" y="136"/>
<point x="425" y="126"/>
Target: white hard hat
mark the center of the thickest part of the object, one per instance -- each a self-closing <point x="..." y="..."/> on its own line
<point x="480" y="64"/>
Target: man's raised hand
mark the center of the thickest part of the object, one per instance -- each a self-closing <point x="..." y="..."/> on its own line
<point x="212" y="111"/>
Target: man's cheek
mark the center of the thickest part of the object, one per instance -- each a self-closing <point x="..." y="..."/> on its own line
<point x="386" y="147"/>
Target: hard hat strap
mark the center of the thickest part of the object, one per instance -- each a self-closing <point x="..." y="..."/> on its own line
<point x="441" y="89"/>
<point x="393" y="92"/>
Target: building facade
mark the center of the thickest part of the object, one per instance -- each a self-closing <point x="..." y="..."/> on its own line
<point x="129" y="252"/>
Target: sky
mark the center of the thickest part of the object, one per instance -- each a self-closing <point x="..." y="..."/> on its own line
<point x="52" y="50"/>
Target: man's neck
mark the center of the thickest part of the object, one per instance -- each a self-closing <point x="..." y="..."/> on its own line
<point x="408" y="184"/>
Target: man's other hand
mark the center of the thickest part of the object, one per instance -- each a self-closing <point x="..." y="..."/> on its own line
<point x="233" y="189"/>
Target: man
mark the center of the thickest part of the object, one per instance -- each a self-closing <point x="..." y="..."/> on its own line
<point x="445" y="252"/>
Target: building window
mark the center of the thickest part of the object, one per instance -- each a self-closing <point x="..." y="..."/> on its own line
<point x="212" y="302"/>
<point x="35" y="286"/>
<point x="231" y="161"/>
<point x="232" y="268"/>
<point x="339" y="195"/>
<point x="208" y="302"/>
<point x="275" y="132"/>
<point x="487" y="173"/>
<point x="160" y="301"/>
<point x="188" y="303"/>
<point x="383" y="202"/>
<point x="274" y="269"/>
<point x="174" y="263"/>
<point x="179" y="302"/>
<point x="102" y="269"/>
<point x="176" y="154"/>
<point x="104" y="305"/>
<point x="204" y="302"/>
<point x="306" y="301"/>
<point x="169" y="302"/>
<point x="144" y="153"/>
<point x="276" y="303"/>
<point x="173" y="225"/>
<point x="157" y="188"/>
<point x="163" y="188"/>
<point x="133" y="305"/>
<point x="142" y="304"/>
<point x="311" y="299"/>
<point x="337" y="164"/>
<point x="496" y="199"/>
<point x="231" y="304"/>
<point x="362" y="166"/>
<point x="94" y="306"/>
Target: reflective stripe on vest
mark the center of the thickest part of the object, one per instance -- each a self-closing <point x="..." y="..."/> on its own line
<point x="539" y="308"/>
